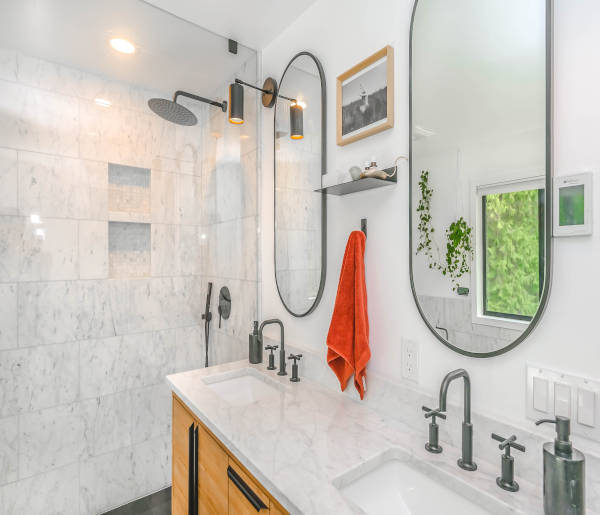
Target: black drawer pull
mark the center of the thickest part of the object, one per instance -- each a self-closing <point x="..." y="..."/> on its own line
<point x="193" y="470"/>
<point x="253" y="499"/>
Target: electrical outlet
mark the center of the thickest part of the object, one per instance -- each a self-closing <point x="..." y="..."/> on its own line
<point x="410" y="360"/>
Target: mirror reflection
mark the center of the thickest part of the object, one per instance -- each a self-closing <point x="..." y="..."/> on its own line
<point x="479" y="203"/>
<point x="299" y="209"/>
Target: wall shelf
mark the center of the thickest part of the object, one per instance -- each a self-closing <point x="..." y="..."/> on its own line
<point x="368" y="183"/>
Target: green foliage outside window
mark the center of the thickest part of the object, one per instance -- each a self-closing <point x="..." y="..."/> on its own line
<point x="512" y="246"/>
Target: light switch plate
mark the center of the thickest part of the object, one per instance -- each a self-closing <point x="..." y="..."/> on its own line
<point x="540" y="394"/>
<point x="586" y="407"/>
<point x="562" y="399"/>
<point x="562" y="393"/>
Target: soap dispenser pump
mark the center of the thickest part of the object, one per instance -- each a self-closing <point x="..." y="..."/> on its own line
<point x="255" y="345"/>
<point x="564" y="472"/>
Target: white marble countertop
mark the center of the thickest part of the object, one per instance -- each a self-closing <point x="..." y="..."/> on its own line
<point x="307" y="441"/>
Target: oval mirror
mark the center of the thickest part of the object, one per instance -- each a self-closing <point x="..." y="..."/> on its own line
<point x="300" y="160"/>
<point x="480" y="170"/>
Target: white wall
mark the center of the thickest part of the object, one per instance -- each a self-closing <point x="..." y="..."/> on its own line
<point x="567" y="337"/>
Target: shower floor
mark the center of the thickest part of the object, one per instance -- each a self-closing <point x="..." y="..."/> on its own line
<point x="158" y="503"/>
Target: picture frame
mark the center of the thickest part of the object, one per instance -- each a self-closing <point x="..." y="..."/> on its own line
<point x="365" y="97"/>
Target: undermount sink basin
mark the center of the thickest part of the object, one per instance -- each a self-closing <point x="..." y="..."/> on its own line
<point x="395" y="487"/>
<point x="243" y="388"/>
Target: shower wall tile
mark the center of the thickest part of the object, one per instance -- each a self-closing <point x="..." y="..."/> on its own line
<point x="62" y="311"/>
<point x="60" y="187"/>
<point x="189" y="348"/>
<point x="44" y="250"/>
<point x="121" y="363"/>
<point x="108" y="421"/>
<point x="49" y="76"/>
<point x="164" y="194"/>
<point x="157" y="303"/>
<point x="165" y="250"/>
<point x="49" y="250"/>
<point x="114" y="478"/>
<point x="122" y="136"/>
<point x="93" y="250"/>
<point x="37" y="378"/>
<point x="51" y="438"/>
<point x="190" y="250"/>
<point x="232" y="249"/>
<point x="8" y="316"/>
<point x="151" y="412"/>
<point x="38" y="120"/>
<point x="190" y="195"/>
<point x="11" y="232"/>
<point x="9" y="448"/>
<point x="8" y="181"/>
<point x="56" y="491"/>
<point x="8" y="64"/>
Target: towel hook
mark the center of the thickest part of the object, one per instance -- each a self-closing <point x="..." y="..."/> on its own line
<point x="363" y="225"/>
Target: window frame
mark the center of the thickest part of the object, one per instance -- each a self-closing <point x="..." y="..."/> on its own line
<point x="479" y="315"/>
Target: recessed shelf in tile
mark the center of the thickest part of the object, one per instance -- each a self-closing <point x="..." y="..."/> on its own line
<point x="128" y="249"/>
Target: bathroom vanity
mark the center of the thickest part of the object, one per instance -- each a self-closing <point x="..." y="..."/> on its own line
<point x="305" y="448"/>
<point x="222" y="483"/>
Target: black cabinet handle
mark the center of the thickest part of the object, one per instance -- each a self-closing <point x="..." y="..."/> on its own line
<point x="193" y="470"/>
<point x="253" y="499"/>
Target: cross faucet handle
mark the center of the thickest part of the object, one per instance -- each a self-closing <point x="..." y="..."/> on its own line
<point x="433" y="413"/>
<point x="271" y="347"/>
<point x="507" y="443"/>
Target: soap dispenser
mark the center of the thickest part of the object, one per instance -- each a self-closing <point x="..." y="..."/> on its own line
<point x="255" y="354"/>
<point x="564" y="472"/>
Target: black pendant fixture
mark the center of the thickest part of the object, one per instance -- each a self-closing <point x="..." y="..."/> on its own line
<point x="236" y="103"/>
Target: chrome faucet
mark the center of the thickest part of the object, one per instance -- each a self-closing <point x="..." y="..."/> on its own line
<point x="466" y="461"/>
<point x="282" y="371"/>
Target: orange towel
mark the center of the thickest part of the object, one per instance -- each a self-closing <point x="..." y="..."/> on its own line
<point x="348" y="339"/>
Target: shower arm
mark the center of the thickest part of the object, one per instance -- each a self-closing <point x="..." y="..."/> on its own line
<point x="179" y="93"/>
<point x="267" y="91"/>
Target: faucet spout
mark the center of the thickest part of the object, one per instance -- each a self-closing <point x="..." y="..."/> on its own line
<point x="282" y="371"/>
<point x="466" y="461"/>
<point x="451" y="376"/>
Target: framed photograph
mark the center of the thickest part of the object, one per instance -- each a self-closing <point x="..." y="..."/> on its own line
<point x="365" y="97"/>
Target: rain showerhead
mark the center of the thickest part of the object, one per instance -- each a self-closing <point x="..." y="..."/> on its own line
<point x="173" y="112"/>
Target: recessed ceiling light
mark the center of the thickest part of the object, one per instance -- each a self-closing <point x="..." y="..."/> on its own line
<point x="103" y="102"/>
<point x="122" y="45"/>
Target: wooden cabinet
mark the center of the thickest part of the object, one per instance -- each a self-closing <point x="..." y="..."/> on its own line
<point x="182" y="421"/>
<point x="220" y="485"/>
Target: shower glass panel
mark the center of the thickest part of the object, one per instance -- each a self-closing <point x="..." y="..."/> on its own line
<point x="113" y="221"/>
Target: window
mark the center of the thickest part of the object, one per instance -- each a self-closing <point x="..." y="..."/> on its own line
<point x="512" y="225"/>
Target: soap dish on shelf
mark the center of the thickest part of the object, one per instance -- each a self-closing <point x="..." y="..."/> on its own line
<point x="366" y="183"/>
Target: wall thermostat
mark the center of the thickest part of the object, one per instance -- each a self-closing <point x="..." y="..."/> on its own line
<point x="573" y="205"/>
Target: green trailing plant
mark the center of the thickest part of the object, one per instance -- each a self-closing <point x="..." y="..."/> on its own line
<point x="459" y="251"/>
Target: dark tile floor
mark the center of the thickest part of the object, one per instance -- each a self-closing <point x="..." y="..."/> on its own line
<point x="158" y="503"/>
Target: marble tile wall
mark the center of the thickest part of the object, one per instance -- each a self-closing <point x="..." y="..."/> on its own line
<point x="85" y="338"/>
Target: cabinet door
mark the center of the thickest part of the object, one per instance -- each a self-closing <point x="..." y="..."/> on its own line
<point x="212" y="468"/>
<point x="245" y="496"/>
<point x="181" y="423"/>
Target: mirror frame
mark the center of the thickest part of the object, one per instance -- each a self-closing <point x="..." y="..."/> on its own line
<point x="323" y="195"/>
<point x="549" y="200"/>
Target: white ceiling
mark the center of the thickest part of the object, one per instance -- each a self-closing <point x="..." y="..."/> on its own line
<point x="171" y="53"/>
<point x="255" y="23"/>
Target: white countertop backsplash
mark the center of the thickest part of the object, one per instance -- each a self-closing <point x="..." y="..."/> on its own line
<point x="312" y="439"/>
